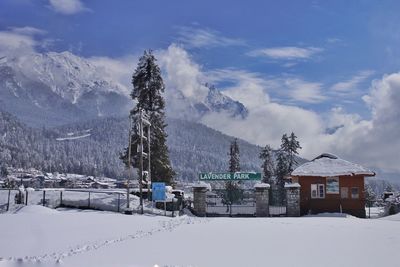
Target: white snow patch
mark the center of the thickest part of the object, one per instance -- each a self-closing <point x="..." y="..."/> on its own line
<point x="73" y="138"/>
<point x="36" y="209"/>
<point x="262" y="185"/>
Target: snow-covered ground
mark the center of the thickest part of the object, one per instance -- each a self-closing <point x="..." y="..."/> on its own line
<point x="38" y="236"/>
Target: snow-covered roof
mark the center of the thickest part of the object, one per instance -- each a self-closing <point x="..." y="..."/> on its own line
<point x="262" y="185"/>
<point x="330" y="165"/>
<point x="292" y="185"/>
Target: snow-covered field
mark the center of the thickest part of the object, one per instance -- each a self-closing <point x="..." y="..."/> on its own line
<point x="38" y="236"/>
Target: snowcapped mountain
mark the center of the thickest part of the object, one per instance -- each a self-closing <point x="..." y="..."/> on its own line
<point x="217" y="101"/>
<point x="179" y="106"/>
<point x="57" y="88"/>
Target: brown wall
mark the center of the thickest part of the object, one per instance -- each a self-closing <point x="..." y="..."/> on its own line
<point x="332" y="202"/>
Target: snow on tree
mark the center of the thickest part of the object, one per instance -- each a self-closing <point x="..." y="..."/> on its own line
<point x="233" y="192"/>
<point x="282" y="170"/>
<point x="267" y="164"/>
<point x="370" y="195"/>
<point x="290" y="145"/>
<point x="234" y="160"/>
<point x="3" y="171"/>
<point x="148" y="87"/>
<point x="389" y="188"/>
<point x="286" y="159"/>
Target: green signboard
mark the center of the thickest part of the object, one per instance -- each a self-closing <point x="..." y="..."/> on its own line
<point x="228" y="176"/>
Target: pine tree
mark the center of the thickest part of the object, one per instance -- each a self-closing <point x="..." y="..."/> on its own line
<point x="148" y="87"/>
<point x="389" y="188"/>
<point x="290" y="145"/>
<point x="282" y="169"/>
<point x="370" y="198"/>
<point x="234" y="160"/>
<point x="3" y="171"/>
<point x="267" y="164"/>
<point x="233" y="192"/>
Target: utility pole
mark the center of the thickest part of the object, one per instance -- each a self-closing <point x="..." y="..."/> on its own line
<point x="141" y="121"/>
<point x="144" y="120"/>
<point x="141" y="160"/>
<point x="148" y="158"/>
<point x="129" y="164"/>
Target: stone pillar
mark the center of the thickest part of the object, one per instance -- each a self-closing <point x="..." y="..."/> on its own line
<point x="262" y="199"/>
<point x="199" y="200"/>
<point x="292" y="199"/>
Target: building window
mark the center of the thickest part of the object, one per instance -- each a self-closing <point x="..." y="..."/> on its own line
<point x="332" y="185"/>
<point x="344" y="192"/>
<point x="354" y="192"/>
<point x="317" y="191"/>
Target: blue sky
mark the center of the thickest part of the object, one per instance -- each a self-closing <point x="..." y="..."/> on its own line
<point x="336" y="41"/>
<point x="303" y="66"/>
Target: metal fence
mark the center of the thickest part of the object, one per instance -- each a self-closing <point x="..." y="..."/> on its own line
<point x="244" y="204"/>
<point x="106" y="200"/>
<point x="220" y="203"/>
<point x="277" y="201"/>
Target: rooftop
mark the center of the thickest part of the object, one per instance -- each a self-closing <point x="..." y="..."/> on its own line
<point x="330" y="165"/>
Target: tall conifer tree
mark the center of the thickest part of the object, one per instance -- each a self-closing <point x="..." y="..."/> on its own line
<point x="234" y="160"/>
<point x="267" y="164"/>
<point x="148" y="87"/>
<point x="233" y="192"/>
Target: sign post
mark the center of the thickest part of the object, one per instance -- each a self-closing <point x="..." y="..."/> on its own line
<point x="230" y="176"/>
<point x="158" y="193"/>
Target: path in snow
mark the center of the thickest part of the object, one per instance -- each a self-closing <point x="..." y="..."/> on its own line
<point x="162" y="224"/>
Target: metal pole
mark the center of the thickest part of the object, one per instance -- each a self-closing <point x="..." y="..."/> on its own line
<point x="44" y="197"/>
<point x="119" y="201"/>
<point x="8" y="201"/>
<point x="141" y="160"/>
<point x="149" y="164"/>
<point x="61" y="197"/>
<point x="26" y="199"/>
<point x="369" y="209"/>
<point x="129" y="163"/>
<point x="89" y="201"/>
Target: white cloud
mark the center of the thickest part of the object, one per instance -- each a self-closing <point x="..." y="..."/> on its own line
<point x="68" y="7"/>
<point x="196" y="37"/>
<point x="305" y="92"/>
<point x="286" y="52"/>
<point x="27" y="30"/>
<point x="19" y="41"/>
<point x="182" y="73"/>
<point x="248" y="87"/>
<point x="373" y="143"/>
<point x="119" y="70"/>
<point x="352" y="83"/>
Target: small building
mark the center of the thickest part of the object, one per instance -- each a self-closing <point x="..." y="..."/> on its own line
<point x="100" y="185"/>
<point x="331" y="184"/>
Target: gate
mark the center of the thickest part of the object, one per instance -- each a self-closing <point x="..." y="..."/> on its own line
<point x="277" y="201"/>
<point x="222" y="202"/>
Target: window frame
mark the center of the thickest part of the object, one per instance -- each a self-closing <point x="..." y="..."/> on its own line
<point x="358" y="192"/>
<point x="318" y="188"/>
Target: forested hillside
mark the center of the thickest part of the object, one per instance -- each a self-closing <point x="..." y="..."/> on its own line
<point x="93" y="147"/>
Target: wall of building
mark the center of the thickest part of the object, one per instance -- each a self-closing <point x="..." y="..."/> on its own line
<point x="332" y="202"/>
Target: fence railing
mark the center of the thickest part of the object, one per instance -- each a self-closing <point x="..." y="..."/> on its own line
<point x="105" y="200"/>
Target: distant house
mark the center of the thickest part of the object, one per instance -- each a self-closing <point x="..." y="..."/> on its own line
<point x="99" y="185"/>
<point x="331" y="184"/>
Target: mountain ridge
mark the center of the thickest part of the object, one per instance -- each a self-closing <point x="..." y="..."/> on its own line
<point x="52" y="89"/>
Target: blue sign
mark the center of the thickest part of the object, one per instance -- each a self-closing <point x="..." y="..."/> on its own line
<point x="158" y="191"/>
